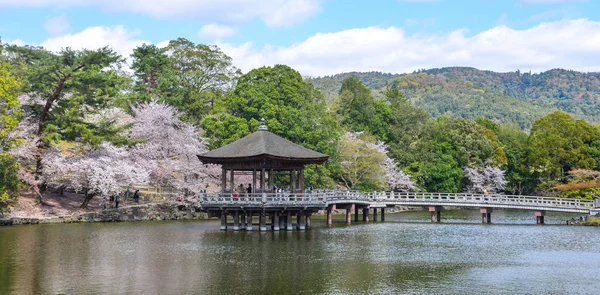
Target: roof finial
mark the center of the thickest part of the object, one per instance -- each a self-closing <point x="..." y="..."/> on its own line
<point x="263" y="126"/>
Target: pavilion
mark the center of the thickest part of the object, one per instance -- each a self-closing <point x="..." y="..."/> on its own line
<point x="264" y="155"/>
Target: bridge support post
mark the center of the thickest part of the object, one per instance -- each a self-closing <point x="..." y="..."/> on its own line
<point x="366" y="214"/>
<point x="249" y="222"/>
<point x="301" y="221"/>
<point x="281" y="221"/>
<point x="486" y="215"/>
<point x="436" y="213"/>
<point x="223" y="220"/>
<point x="382" y="214"/>
<point x="242" y="221"/>
<point x="275" y="221"/>
<point x="355" y="212"/>
<point x="329" y="216"/>
<point x="349" y="215"/>
<point x="308" y="220"/>
<point x="374" y="214"/>
<point x="236" y="221"/>
<point x="263" y="221"/>
<point x="539" y="214"/>
<point x="289" y="224"/>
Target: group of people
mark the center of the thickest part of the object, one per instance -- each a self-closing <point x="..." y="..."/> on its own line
<point x="241" y="188"/>
<point x="113" y="201"/>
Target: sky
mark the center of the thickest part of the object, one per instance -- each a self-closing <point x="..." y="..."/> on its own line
<point x="325" y="37"/>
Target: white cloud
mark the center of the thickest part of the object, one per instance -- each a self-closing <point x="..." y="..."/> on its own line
<point x="216" y="31"/>
<point x="57" y="26"/>
<point x="571" y="44"/>
<point x="274" y="13"/>
<point x="118" y="38"/>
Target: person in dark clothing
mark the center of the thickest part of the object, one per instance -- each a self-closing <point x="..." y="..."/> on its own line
<point x="111" y="200"/>
<point x="117" y="200"/>
<point x="136" y="196"/>
<point x="249" y="189"/>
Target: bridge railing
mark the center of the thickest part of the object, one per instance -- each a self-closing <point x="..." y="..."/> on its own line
<point x="391" y="198"/>
<point x="485" y="199"/>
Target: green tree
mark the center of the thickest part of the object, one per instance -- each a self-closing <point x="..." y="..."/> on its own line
<point x="201" y="73"/>
<point x="514" y="142"/>
<point x="558" y="143"/>
<point x="9" y="117"/>
<point x="152" y="71"/>
<point x="70" y="86"/>
<point x="291" y="107"/>
<point x="362" y="162"/>
<point x="359" y="110"/>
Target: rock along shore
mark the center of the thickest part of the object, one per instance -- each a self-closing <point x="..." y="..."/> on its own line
<point x="155" y="211"/>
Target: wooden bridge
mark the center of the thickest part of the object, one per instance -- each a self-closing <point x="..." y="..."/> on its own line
<point x="280" y="208"/>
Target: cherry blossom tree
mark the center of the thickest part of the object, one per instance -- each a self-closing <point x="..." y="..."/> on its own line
<point x="487" y="178"/>
<point x="366" y="162"/>
<point x="100" y="171"/>
<point x="169" y="148"/>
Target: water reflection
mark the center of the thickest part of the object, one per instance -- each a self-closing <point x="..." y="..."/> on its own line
<point x="402" y="255"/>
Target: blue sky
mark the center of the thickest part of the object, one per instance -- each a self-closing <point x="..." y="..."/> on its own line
<point x="321" y="37"/>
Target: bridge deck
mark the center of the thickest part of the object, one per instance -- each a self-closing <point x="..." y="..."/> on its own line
<point x="324" y="199"/>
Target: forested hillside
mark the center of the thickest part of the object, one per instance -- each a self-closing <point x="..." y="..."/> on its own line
<point x="512" y="97"/>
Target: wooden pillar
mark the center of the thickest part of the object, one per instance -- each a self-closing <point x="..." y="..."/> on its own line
<point x="366" y="214"/>
<point x="308" y="220"/>
<point x="236" y="220"/>
<point x="223" y="180"/>
<point x="382" y="214"/>
<point x="436" y="213"/>
<point x="282" y="220"/>
<point x="539" y="214"/>
<point x="254" y="181"/>
<point x="348" y="216"/>
<point x="231" y="182"/>
<point x="249" y="221"/>
<point x="289" y="225"/>
<point x="271" y="180"/>
<point x="486" y="215"/>
<point x="262" y="180"/>
<point x="242" y="221"/>
<point x="301" y="221"/>
<point x="355" y="212"/>
<point x="293" y="181"/>
<point x="301" y="181"/>
<point x="263" y="221"/>
<point x="374" y="214"/>
<point x="275" y="221"/>
<point x="223" y="220"/>
<point x="329" y="216"/>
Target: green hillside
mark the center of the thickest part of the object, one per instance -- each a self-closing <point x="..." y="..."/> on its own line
<point x="505" y="97"/>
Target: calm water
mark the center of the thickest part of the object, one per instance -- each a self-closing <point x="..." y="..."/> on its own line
<point x="405" y="254"/>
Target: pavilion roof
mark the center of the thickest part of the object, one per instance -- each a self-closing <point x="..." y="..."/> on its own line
<point x="263" y="144"/>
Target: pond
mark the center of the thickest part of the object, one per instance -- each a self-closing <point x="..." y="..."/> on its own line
<point x="404" y="254"/>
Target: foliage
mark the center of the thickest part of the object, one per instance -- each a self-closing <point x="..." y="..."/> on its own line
<point x="363" y="162"/>
<point x="558" y="143"/>
<point x="292" y="109"/>
<point x="360" y="111"/>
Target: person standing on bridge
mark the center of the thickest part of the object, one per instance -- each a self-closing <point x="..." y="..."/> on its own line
<point x="485" y="194"/>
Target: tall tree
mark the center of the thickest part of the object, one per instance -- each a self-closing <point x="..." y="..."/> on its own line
<point x="292" y="108"/>
<point x="359" y="110"/>
<point x="9" y="116"/>
<point x="152" y="69"/>
<point x="558" y="143"/>
<point x="64" y="87"/>
<point x="203" y="74"/>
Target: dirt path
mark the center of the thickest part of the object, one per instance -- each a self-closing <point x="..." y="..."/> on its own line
<point x="53" y="205"/>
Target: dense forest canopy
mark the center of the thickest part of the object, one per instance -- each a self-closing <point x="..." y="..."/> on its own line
<point x="513" y="97"/>
<point x="75" y="119"/>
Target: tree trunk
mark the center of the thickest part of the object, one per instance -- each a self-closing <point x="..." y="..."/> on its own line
<point x="86" y="201"/>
